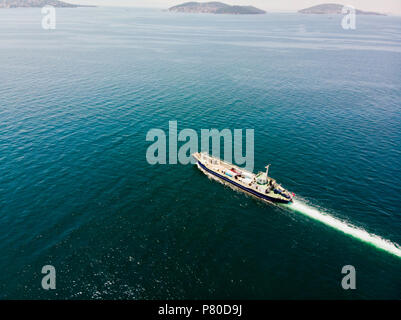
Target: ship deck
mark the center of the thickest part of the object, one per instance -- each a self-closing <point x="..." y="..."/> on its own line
<point x="218" y="167"/>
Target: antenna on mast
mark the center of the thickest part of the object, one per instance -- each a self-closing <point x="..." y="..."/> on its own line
<point x="267" y="170"/>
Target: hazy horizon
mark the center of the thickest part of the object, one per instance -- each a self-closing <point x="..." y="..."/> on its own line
<point x="385" y="6"/>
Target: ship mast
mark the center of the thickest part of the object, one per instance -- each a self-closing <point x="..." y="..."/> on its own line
<point x="267" y="170"/>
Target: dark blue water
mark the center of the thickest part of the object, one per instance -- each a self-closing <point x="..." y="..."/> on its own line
<point x="77" y="193"/>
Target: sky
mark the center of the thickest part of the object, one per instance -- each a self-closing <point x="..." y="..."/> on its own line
<point x="384" y="6"/>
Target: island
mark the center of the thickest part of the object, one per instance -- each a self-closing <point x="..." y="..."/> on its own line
<point x="37" y="4"/>
<point x="333" y="8"/>
<point x="215" y="7"/>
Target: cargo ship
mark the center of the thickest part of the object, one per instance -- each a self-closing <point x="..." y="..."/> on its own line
<point x="259" y="185"/>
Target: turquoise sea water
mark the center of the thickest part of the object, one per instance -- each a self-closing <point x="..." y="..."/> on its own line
<point x="76" y="191"/>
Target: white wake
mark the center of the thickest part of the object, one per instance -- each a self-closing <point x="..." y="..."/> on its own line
<point x="343" y="226"/>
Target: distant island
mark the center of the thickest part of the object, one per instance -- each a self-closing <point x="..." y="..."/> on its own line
<point x="37" y="4"/>
<point x="333" y="8"/>
<point x="215" y="7"/>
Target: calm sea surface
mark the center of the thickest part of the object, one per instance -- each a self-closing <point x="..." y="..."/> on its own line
<point x="76" y="191"/>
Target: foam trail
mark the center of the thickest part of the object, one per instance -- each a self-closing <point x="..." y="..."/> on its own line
<point x="353" y="231"/>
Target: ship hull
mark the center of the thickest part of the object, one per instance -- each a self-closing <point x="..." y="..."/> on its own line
<point x="243" y="188"/>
